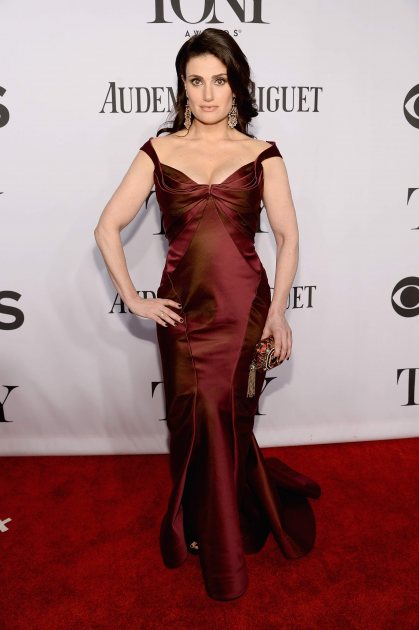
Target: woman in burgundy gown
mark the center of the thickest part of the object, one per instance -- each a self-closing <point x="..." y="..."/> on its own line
<point x="226" y="498"/>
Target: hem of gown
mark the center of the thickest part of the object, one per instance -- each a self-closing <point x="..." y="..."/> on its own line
<point x="290" y="518"/>
<point x="224" y="598"/>
<point x="282" y="494"/>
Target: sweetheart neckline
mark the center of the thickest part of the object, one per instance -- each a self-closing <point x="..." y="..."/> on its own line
<point x="251" y="163"/>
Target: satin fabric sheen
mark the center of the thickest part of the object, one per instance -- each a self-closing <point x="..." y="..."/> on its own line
<point x="225" y="494"/>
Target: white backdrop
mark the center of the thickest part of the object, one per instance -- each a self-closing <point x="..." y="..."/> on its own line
<point x="86" y="376"/>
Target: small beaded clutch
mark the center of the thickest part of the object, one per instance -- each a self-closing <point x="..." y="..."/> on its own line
<point x="263" y="359"/>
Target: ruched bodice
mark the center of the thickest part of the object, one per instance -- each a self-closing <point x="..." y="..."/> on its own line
<point x="225" y="494"/>
<point x="238" y="196"/>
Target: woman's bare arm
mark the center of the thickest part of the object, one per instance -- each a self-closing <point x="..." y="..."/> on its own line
<point x="120" y="210"/>
<point x="281" y="213"/>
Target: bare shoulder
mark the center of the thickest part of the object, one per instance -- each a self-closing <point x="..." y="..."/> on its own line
<point x="261" y="145"/>
<point x="163" y="140"/>
<point x="164" y="145"/>
<point x="254" y="146"/>
<point x="160" y="142"/>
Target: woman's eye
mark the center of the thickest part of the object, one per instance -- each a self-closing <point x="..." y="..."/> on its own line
<point x="219" y="81"/>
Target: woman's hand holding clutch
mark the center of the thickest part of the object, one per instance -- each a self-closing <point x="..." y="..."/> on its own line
<point x="272" y="349"/>
<point x="277" y="326"/>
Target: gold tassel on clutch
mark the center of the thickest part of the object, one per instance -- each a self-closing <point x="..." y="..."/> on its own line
<point x="252" y="381"/>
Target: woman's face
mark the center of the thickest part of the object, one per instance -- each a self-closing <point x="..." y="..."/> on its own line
<point x="208" y="90"/>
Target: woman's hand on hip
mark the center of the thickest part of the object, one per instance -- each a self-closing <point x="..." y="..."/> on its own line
<point x="277" y="325"/>
<point x="156" y="309"/>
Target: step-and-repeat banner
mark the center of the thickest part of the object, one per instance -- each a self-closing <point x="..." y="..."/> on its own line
<point x="82" y="86"/>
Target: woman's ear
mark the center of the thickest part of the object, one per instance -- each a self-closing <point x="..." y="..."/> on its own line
<point x="184" y="87"/>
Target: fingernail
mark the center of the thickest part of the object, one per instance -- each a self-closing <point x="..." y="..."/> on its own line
<point x="181" y="320"/>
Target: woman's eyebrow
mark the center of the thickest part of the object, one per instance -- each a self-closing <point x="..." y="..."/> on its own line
<point x="214" y="76"/>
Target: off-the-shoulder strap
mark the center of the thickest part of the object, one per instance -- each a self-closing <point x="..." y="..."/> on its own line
<point x="149" y="149"/>
<point x="269" y="152"/>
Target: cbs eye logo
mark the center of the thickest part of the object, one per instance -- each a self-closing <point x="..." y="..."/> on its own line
<point x="412" y="114"/>
<point x="405" y="297"/>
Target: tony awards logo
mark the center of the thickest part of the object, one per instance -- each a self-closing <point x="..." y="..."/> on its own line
<point x="208" y="11"/>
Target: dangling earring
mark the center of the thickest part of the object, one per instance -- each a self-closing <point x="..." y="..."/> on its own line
<point x="232" y="114"/>
<point x="188" y="115"/>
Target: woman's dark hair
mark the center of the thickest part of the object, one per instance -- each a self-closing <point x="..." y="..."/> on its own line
<point x="223" y="46"/>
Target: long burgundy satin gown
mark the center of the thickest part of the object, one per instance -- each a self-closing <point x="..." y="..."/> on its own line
<point x="225" y="494"/>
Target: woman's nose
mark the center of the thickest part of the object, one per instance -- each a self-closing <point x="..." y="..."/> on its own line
<point x="208" y="94"/>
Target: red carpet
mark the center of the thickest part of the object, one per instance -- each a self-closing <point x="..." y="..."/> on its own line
<point x="82" y="550"/>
